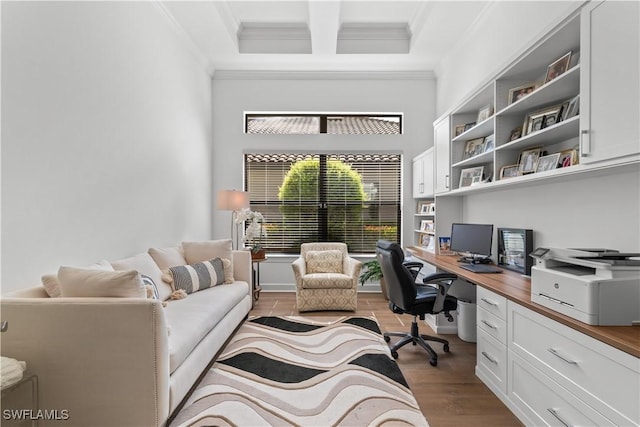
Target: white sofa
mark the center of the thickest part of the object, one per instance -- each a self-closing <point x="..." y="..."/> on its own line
<point x="122" y="361"/>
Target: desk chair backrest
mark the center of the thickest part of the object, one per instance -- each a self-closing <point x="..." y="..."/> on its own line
<point x="401" y="287"/>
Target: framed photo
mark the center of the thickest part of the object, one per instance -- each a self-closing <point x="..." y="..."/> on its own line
<point x="509" y="171"/>
<point x="540" y="119"/>
<point x="484" y="113"/>
<point x="558" y="67"/>
<point x="517" y="93"/>
<point x="444" y="246"/>
<point x="469" y="126"/>
<point x="432" y="208"/>
<point x="572" y="109"/>
<point x="547" y="163"/>
<point x="423" y="207"/>
<point x="470" y="176"/>
<point x="459" y="130"/>
<point x="529" y="160"/>
<point x="426" y="240"/>
<point x="473" y="148"/>
<point x="426" y="225"/>
<point x="488" y="144"/>
<point x="567" y="158"/>
<point x="516" y="133"/>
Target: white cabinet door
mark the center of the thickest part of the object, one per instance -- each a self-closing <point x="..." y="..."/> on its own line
<point x="441" y="139"/>
<point x="427" y="172"/>
<point x="609" y="87"/>
<point x="418" y="177"/>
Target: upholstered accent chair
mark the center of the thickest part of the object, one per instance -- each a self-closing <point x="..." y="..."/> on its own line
<point x="326" y="277"/>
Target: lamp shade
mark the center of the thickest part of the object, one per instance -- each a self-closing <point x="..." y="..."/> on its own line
<point x="232" y="200"/>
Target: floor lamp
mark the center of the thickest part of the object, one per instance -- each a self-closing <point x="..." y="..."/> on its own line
<point x="234" y="201"/>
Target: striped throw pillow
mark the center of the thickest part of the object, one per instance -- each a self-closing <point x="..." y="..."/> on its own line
<point x="195" y="277"/>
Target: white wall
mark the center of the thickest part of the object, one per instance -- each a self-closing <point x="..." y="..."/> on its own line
<point x="583" y="211"/>
<point x="106" y="136"/>
<point x="233" y="93"/>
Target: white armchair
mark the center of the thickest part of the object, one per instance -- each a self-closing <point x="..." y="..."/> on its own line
<point x="326" y="277"/>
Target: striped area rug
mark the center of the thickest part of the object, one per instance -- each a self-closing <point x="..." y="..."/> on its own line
<point x="295" y="371"/>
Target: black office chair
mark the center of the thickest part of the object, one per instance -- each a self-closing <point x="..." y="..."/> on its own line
<point x="407" y="297"/>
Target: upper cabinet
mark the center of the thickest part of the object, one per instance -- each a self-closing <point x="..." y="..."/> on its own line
<point x="568" y="104"/>
<point x="610" y="86"/>
<point x="423" y="175"/>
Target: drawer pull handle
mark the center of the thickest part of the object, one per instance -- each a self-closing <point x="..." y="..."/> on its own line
<point x="489" y="324"/>
<point x="558" y="417"/>
<point x="489" y="302"/>
<point x="555" y="353"/>
<point x="489" y="358"/>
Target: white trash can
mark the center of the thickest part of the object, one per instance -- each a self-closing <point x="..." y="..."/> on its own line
<point x="466" y="321"/>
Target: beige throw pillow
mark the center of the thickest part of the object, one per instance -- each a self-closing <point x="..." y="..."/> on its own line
<point x="84" y="282"/>
<point x="52" y="284"/>
<point x="168" y="257"/>
<point x="144" y="264"/>
<point x="329" y="261"/>
<point x="195" y="252"/>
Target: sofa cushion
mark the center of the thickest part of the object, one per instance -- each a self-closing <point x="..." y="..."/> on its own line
<point x="144" y="264"/>
<point x="85" y="282"/>
<point x="52" y="284"/>
<point x="327" y="281"/>
<point x="192" y="318"/>
<point x="195" y="252"/>
<point x="199" y="276"/>
<point x="168" y="257"/>
<point x="329" y="261"/>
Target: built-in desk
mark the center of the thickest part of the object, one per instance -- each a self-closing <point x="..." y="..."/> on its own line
<point x="549" y="369"/>
<point x="517" y="288"/>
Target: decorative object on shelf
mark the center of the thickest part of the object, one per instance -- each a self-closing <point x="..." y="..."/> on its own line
<point x="459" y="130"/>
<point x="547" y="163"/>
<point x="484" y="113"/>
<point x="427" y="241"/>
<point x="254" y="232"/>
<point x="541" y="119"/>
<point x="472" y="148"/>
<point x="514" y="247"/>
<point x="426" y="225"/>
<point x="509" y="171"/>
<point x="572" y="109"/>
<point x="517" y="93"/>
<point x="424" y="208"/>
<point x="488" y="144"/>
<point x="516" y="133"/>
<point x="432" y="208"/>
<point x="470" y="176"/>
<point x="234" y="201"/>
<point x="558" y="67"/>
<point x="529" y="160"/>
<point x="567" y="158"/>
<point x="468" y="126"/>
<point x="444" y="245"/>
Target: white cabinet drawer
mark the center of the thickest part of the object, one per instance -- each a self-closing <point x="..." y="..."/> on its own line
<point x="605" y="378"/>
<point x="492" y="325"/>
<point x="491" y="359"/>
<point x="492" y="302"/>
<point x="544" y="402"/>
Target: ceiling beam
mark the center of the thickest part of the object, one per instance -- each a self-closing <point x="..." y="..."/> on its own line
<point x="324" y="21"/>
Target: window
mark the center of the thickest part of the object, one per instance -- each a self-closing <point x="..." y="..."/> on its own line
<point x="336" y="124"/>
<point x="351" y="198"/>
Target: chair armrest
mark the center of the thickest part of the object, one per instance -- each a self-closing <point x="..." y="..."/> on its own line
<point x="443" y="282"/>
<point x="353" y="269"/>
<point x="299" y="269"/>
<point x="242" y="267"/>
<point x="414" y="268"/>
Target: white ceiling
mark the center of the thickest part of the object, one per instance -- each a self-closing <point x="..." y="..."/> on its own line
<point x="212" y="26"/>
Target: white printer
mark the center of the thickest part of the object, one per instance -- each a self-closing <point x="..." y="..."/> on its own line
<point x="595" y="286"/>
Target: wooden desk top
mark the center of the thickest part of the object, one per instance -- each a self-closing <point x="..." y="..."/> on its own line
<point x="517" y="288"/>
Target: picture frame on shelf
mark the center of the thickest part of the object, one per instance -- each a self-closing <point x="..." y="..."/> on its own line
<point x="423" y="208"/>
<point x="529" y="160"/>
<point x="516" y="134"/>
<point x="572" y="109"/>
<point x="547" y="163"/>
<point x="459" y="130"/>
<point x="537" y="120"/>
<point x="444" y="245"/>
<point x="509" y="171"/>
<point x="472" y="148"/>
<point x="567" y="158"/>
<point x="425" y="240"/>
<point x="432" y="208"/>
<point x="558" y="67"/>
<point x="517" y="93"/>
<point x="489" y="144"/>
<point x="468" y="126"/>
<point x="484" y="113"/>
<point x="426" y="225"/>
<point x="470" y="176"/>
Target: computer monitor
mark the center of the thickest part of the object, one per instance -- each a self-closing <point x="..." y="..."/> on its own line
<point x="472" y="239"/>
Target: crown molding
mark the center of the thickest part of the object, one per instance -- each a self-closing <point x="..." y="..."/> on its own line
<point x="322" y="75"/>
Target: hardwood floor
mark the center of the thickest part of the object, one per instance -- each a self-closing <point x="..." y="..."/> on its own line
<point x="449" y="394"/>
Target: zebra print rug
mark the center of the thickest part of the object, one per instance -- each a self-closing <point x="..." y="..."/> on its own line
<point x="285" y="371"/>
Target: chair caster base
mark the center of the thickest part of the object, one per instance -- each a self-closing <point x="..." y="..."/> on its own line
<point x="394" y="354"/>
<point x="433" y="362"/>
<point x="445" y="348"/>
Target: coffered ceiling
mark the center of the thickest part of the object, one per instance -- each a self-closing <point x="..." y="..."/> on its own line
<point x="323" y="35"/>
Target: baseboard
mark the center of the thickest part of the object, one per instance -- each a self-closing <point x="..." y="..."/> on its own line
<point x="440" y="325"/>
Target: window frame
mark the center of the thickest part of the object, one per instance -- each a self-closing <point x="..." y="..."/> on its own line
<point x="323" y="116"/>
